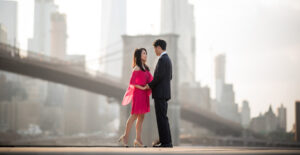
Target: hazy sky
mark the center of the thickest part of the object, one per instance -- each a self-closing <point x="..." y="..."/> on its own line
<point x="260" y="39"/>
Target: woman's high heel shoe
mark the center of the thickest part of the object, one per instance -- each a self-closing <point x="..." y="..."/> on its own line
<point x="138" y="144"/>
<point x="122" y="140"/>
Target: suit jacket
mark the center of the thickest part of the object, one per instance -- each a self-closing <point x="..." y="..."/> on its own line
<point x="161" y="83"/>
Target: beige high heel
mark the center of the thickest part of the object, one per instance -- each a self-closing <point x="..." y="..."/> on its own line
<point x="138" y="144"/>
<point x="122" y="140"/>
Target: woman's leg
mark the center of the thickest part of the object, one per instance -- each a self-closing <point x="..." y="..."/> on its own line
<point x="138" y="127"/>
<point x="129" y="123"/>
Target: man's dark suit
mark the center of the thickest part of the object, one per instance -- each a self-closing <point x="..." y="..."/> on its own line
<point x="161" y="93"/>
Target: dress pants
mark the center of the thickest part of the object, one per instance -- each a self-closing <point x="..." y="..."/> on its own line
<point x="161" y="108"/>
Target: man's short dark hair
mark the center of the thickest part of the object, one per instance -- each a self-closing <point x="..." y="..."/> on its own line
<point x="160" y="43"/>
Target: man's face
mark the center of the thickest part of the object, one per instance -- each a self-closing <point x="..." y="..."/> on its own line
<point x="157" y="50"/>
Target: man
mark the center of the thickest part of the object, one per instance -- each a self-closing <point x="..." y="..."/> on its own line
<point x="161" y="93"/>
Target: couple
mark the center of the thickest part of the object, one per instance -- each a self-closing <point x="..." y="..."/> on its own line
<point x="140" y="87"/>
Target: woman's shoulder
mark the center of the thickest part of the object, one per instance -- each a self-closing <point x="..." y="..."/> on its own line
<point x="136" y="68"/>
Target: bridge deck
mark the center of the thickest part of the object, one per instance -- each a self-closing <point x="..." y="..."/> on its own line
<point x="47" y="68"/>
<point x="122" y="150"/>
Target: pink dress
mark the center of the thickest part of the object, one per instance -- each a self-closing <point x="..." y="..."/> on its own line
<point x="140" y="98"/>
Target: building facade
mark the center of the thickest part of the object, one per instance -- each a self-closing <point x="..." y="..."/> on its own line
<point x="9" y="20"/>
<point x="268" y="122"/>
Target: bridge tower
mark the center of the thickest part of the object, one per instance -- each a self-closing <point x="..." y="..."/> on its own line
<point x="149" y="131"/>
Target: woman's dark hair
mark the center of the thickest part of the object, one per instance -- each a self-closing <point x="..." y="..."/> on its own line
<point x="160" y="43"/>
<point x="137" y="59"/>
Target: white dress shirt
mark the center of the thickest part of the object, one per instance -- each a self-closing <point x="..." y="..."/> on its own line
<point x="165" y="52"/>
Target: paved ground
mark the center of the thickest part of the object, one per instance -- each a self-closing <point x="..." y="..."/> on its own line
<point x="184" y="150"/>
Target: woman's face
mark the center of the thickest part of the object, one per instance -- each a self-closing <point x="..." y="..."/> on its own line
<point x="144" y="56"/>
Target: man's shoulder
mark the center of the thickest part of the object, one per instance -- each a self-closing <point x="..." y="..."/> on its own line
<point x="165" y="57"/>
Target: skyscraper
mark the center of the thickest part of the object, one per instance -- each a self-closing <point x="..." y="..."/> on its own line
<point x="113" y="22"/>
<point x="282" y="117"/>
<point x="49" y="38"/>
<point x="177" y="17"/>
<point x="49" y="35"/>
<point x="8" y="18"/>
<point x="41" y="41"/>
<point x="58" y="35"/>
<point x="3" y="34"/>
<point x="225" y="96"/>
<point x="220" y="75"/>
<point x="245" y="114"/>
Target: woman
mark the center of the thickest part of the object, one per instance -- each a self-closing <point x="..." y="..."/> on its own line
<point x="139" y="96"/>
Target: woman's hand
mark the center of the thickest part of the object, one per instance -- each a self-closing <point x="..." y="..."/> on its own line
<point x="140" y="87"/>
<point x="145" y="87"/>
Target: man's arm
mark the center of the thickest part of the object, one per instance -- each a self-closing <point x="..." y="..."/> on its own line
<point x="161" y="73"/>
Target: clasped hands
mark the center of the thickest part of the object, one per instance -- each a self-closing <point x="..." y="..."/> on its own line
<point x="145" y="87"/>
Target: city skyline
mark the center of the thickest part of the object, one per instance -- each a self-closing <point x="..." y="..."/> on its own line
<point x="262" y="76"/>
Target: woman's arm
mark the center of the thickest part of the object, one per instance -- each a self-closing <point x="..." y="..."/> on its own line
<point x="139" y="87"/>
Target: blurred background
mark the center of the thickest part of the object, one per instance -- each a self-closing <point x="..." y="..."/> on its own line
<point x="66" y="65"/>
